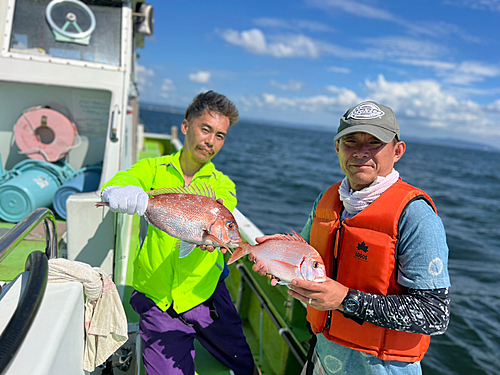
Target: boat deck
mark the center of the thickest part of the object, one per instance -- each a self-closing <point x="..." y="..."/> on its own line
<point x="256" y="321"/>
<point x="204" y="362"/>
<point x="14" y="263"/>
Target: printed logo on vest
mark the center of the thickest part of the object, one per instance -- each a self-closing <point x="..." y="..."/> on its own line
<point x="362" y="251"/>
<point x="366" y="111"/>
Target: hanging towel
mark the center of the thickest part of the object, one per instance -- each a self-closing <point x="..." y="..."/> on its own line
<point x="105" y="319"/>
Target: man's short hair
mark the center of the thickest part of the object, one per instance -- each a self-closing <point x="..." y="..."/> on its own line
<point x="214" y="102"/>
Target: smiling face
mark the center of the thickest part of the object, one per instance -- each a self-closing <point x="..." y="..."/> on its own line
<point x="205" y="136"/>
<point x="364" y="157"/>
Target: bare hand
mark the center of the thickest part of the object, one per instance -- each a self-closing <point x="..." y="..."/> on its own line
<point x="261" y="269"/>
<point x="323" y="296"/>
<point x="259" y="266"/>
<point x="263" y="238"/>
<point x="210" y="248"/>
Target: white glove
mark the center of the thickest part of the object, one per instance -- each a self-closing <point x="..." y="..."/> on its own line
<point x="126" y="200"/>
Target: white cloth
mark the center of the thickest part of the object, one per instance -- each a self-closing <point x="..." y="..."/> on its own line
<point x="105" y="319"/>
<point x="128" y="199"/>
<point x="356" y="201"/>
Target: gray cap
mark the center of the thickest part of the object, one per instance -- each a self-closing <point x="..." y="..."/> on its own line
<point x="372" y="118"/>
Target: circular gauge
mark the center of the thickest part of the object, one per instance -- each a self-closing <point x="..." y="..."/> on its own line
<point x="70" y="18"/>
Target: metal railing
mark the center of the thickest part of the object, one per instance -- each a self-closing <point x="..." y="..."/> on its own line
<point x="16" y="330"/>
<point x="249" y="231"/>
<point x="282" y="329"/>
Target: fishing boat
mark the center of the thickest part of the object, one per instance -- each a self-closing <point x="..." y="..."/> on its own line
<point x="70" y="121"/>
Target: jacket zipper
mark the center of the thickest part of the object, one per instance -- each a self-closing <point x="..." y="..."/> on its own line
<point x="336" y="254"/>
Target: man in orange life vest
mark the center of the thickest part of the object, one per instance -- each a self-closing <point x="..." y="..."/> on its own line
<point x="385" y="251"/>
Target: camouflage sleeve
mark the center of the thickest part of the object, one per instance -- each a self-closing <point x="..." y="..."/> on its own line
<point x="420" y="311"/>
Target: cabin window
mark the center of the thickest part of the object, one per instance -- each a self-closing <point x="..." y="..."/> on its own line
<point x="69" y="29"/>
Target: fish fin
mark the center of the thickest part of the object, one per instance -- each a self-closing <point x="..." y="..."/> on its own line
<point x="154" y="226"/>
<point x="204" y="190"/>
<point x="285" y="237"/>
<point x="283" y="263"/>
<point x="170" y="190"/>
<point x="212" y="238"/>
<point x="298" y="237"/>
<point x="237" y="254"/>
<point x="287" y="283"/>
<point x="186" y="248"/>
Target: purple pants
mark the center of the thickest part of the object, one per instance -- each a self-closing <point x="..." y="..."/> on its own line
<point x="168" y="337"/>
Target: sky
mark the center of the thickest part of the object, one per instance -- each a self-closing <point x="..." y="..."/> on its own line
<point x="436" y="63"/>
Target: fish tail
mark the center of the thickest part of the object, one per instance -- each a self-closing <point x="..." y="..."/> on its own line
<point x="242" y="250"/>
<point x="102" y="204"/>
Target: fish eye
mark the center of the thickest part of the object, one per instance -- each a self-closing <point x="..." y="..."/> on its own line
<point x="316" y="265"/>
<point x="230" y="225"/>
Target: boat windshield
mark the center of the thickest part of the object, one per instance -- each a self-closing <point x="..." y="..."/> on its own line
<point x="69" y="29"/>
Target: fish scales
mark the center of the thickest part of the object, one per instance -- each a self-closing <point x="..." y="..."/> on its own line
<point x="193" y="215"/>
<point x="286" y="257"/>
<point x="182" y="217"/>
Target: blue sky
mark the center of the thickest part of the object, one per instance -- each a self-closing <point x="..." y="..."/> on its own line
<point x="436" y="63"/>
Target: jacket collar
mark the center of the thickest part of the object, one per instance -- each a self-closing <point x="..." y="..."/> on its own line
<point x="205" y="171"/>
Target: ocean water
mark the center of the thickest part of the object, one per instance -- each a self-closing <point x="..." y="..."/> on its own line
<point x="279" y="171"/>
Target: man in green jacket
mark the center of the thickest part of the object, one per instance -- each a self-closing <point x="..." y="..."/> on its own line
<point x="180" y="299"/>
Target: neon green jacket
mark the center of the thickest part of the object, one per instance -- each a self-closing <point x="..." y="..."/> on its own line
<point x="159" y="273"/>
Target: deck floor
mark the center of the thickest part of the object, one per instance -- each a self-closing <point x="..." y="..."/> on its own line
<point x="15" y="263"/>
<point x="208" y="365"/>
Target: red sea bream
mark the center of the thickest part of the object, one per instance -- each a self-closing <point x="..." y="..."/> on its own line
<point x="193" y="215"/>
<point x="287" y="257"/>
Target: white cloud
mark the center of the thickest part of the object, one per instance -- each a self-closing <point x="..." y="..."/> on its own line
<point x="403" y="47"/>
<point x="281" y="46"/>
<point x="255" y="41"/>
<point x="494" y="107"/>
<point x="492" y="5"/>
<point x="353" y="7"/>
<point x="434" y="29"/>
<point x="292" y="85"/>
<point x="338" y="69"/>
<point x="345" y="98"/>
<point x="471" y="71"/>
<point x="167" y="87"/>
<point x="252" y="40"/>
<point x="458" y="73"/>
<point x="299" y="45"/>
<point x="295" y="25"/>
<point x="423" y="103"/>
<point x="439" y="65"/>
<point x="294" y="46"/>
<point x="440" y="29"/>
<point x="143" y="77"/>
<point x="200" y="77"/>
<point x="418" y="104"/>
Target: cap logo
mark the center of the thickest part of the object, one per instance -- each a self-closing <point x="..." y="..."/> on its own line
<point x="366" y="111"/>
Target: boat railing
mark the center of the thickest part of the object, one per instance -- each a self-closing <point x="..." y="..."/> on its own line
<point x="249" y="231"/>
<point x="283" y="330"/>
<point x="16" y="330"/>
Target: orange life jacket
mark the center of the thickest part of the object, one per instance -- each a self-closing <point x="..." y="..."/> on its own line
<point x="364" y="258"/>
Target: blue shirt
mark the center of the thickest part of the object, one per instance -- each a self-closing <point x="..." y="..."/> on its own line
<point x="422" y="264"/>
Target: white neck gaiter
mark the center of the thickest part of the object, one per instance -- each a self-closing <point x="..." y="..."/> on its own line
<point x="356" y="201"/>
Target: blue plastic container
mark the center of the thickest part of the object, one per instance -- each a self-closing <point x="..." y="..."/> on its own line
<point x="32" y="184"/>
<point x="4" y="175"/>
<point x="84" y="181"/>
